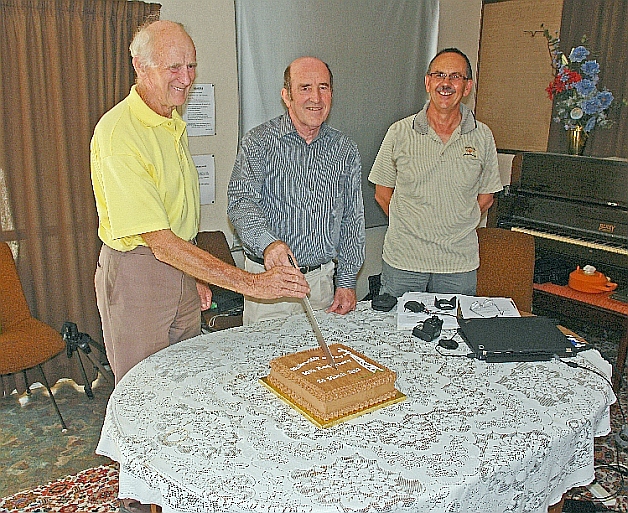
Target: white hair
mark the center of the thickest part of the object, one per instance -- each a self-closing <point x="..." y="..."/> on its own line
<point x="143" y="43"/>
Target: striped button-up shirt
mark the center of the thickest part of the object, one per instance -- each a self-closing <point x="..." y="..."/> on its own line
<point x="307" y="195"/>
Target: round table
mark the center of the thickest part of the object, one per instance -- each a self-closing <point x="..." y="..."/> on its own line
<point x="195" y="431"/>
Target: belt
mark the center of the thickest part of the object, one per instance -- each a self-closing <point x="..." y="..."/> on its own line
<point x="304" y="268"/>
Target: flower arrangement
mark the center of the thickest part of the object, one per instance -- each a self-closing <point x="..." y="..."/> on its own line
<point x="578" y="101"/>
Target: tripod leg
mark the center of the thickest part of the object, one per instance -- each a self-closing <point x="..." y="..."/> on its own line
<point x="106" y="373"/>
<point x="88" y="386"/>
<point x="52" y="398"/>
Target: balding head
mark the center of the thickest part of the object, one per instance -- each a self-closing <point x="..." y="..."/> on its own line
<point x="287" y="77"/>
<point x="164" y="58"/>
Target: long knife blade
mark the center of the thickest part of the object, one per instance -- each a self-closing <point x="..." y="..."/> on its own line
<point x="317" y="331"/>
<point x="314" y="323"/>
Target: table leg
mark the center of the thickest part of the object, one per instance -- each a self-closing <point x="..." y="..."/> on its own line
<point x="621" y="358"/>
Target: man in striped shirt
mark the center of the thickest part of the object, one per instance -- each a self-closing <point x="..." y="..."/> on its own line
<point x="434" y="175"/>
<point x="295" y="193"/>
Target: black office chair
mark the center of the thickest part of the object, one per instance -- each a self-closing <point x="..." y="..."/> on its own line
<point x="229" y="304"/>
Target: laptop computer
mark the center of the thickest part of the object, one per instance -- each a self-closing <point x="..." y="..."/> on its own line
<point x="515" y="339"/>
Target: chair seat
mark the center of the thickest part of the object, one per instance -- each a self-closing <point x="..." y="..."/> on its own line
<point x="16" y="354"/>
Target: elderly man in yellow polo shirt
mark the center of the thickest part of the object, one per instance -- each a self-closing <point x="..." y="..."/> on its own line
<point x="150" y="275"/>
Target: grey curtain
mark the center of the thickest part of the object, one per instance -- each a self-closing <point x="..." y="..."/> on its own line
<point x="378" y="52"/>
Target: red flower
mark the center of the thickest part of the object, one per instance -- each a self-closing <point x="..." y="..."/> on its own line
<point x="563" y="81"/>
<point x="570" y="77"/>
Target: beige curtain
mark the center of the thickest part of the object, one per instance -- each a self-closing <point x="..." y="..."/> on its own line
<point x="63" y="63"/>
<point x="604" y="22"/>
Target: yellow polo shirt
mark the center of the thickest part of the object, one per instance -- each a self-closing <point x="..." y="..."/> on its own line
<point x="143" y="175"/>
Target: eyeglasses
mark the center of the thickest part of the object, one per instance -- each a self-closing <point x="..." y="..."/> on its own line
<point x="455" y="78"/>
<point x="486" y="308"/>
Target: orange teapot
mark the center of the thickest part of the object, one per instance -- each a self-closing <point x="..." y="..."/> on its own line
<point x="588" y="279"/>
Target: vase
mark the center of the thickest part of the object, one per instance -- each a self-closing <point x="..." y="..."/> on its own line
<point x="576" y="139"/>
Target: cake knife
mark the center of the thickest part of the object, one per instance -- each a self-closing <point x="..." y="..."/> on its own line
<point x="314" y="323"/>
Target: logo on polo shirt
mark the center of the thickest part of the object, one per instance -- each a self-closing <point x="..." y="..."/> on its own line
<point x="470" y="151"/>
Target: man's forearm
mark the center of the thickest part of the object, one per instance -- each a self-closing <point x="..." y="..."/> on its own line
<point x="200" y="264"/>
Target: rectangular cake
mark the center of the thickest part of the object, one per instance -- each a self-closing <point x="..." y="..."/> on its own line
<point x="311" y="382"/>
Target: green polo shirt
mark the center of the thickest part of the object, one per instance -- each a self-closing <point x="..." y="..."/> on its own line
<point x="143" y="175"/>
<point x="434" y="210"/>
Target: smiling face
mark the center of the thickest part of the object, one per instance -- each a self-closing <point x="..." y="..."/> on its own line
<point x="446" y="95"/>
<point x="309" y="98"/>
<point x="165" y="82"/>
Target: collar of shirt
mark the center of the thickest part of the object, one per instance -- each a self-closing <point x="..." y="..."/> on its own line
<point x="467" y="124"/>
<point x="150" y="118"/>
<point x="286" y="127"/>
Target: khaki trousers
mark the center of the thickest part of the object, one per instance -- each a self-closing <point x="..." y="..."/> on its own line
<point x="145" y="305"/>
<point x="321" y="283"/>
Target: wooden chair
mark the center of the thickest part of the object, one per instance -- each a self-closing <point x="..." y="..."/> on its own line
<point x="229" y="312"/>
<point x="506" y="266"/>
<point x="25" y="342"/>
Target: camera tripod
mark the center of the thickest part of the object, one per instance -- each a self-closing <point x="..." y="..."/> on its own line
<point x="77" y="343"/>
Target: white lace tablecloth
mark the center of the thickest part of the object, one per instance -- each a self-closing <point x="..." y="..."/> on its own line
<point x="194" y="430"/>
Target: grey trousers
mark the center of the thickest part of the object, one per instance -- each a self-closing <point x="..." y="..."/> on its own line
<point x="397" y="282"/>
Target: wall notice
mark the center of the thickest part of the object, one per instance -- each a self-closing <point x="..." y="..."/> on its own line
<point x="200" y="111"/>
<point x="206" y="177"/>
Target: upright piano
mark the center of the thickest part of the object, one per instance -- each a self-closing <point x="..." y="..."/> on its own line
<point x="576" y="207"/>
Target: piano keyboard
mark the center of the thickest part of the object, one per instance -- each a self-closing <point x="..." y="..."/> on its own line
<point x="571" y="240"/>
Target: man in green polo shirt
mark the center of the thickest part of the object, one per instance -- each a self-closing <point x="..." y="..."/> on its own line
<point x="150" y="275"/>
<point x="434" y="175"/>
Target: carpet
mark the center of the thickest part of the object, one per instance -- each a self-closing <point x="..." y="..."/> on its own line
<point x="34" y="450"/>
<point x="94" y="490"/>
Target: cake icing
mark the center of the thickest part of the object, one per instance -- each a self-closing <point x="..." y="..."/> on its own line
<point x="309" y="380"/>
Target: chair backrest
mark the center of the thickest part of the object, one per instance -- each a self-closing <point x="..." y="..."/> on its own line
<point x="13" y="306"/>
<point x="216" y="244"/>
<point x="506" y="266"/>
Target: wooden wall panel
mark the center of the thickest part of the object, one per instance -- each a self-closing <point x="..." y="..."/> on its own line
<point x="514" y="68"/>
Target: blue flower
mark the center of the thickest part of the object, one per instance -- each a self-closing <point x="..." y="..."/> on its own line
<point x="578" y="54"/>
<point x="592" y="106"/>
<point x="590" y="68"/>
<point x="574" y="89"/>
<point x="605" y="98"/>
<point x="585" y="87"/>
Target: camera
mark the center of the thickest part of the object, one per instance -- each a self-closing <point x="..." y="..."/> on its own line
<point x="74" y="339"/>
<point x="429" y="329"/>
<point x="383" y="302"/>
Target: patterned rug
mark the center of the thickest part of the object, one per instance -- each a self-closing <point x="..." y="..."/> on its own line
<point x="611" y="459"/>
<point x="94" y="490"/>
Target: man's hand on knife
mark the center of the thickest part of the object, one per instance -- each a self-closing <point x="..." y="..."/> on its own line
<point x="278" y="253"/>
